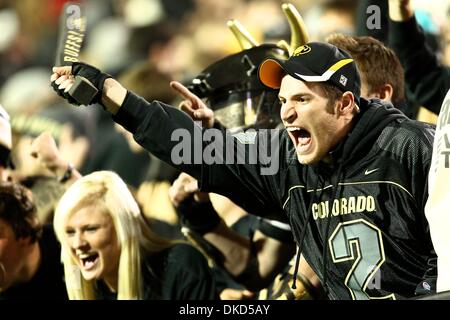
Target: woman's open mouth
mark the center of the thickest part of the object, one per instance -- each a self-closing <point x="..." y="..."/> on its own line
<point x="88" y="260"/>
<point x="301" y="138"/>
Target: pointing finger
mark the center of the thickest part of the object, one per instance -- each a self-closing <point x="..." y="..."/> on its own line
<point x="183" y="91"/>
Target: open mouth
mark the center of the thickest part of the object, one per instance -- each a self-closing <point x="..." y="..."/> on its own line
<point x="301" y="138"/>
<point x="88" y="260"/>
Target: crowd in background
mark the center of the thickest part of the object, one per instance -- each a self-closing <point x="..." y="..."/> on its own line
<point x="176" y="39"/>
<point x="146" y="44"/>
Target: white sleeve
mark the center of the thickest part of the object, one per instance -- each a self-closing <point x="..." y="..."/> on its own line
<point x="437" y="209"/>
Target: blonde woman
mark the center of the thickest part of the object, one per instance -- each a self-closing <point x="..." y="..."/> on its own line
<point x="110" y="252"/>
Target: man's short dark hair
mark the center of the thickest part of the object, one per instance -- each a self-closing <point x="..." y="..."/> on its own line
<point x="19" y="211"/>
<point x="332" y="92"/>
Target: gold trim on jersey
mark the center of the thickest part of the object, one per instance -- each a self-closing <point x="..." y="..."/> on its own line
<point x="346" y="184"/>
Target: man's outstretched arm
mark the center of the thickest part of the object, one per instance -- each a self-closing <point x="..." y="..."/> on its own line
<point x="175" y="138"/>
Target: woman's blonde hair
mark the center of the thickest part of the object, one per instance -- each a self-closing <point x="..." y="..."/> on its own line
<point x="106" y="190"/>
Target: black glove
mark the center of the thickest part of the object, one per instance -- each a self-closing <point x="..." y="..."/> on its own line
<point x="200" y="217"/>
<point x="64" y="95"/>
<point x="92" y="74"/>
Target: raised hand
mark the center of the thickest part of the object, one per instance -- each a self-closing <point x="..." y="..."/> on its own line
<point x="183" y="187"/>
<point x="83" y="81"/>
<point x="44" y="149"/>
<point x="62" y="80"/>
<point x="400" y="10"/>
<point x="193" y="105"/>
<point x="194" y="208"/>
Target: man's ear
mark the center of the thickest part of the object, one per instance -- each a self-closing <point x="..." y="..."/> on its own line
<point x="346" y="105"/>
<point x="386" y="92"/>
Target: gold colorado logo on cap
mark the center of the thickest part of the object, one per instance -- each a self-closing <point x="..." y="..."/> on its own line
<point x="302" y="50"/>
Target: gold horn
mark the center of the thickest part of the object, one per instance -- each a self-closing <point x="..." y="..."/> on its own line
<point x="246" y="41"/>
<point x="299" y="34"/>
<point x="284" y="45"/>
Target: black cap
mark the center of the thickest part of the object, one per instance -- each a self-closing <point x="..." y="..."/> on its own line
<point x="314" y="62"/>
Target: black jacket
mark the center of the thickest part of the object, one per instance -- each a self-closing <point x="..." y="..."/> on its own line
<point x="427" y="81"/>
<point x="365" y="219"/>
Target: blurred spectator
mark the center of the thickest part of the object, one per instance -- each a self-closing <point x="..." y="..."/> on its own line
<point x="46" y="193"/>
<point x="331" y="16"/>
<point x="446" y="39"/>
<point x="152" y="193"/>
<point x="5" y="145"/>
<point x="110" y="151"/>
<point x="30" y="265"/>
<point x="427" y="80"/>
<point x="26" y="91"/>
<point x="68" y="127"/>
<point x="387" y="83"/>
<point x="52" y="175"/>
<point x="106" y="44"/>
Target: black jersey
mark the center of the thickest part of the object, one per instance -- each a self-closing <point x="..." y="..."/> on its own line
<point x="179" y="272"/>
<point x="367" y="234"/>
<point x="370" y="218"/>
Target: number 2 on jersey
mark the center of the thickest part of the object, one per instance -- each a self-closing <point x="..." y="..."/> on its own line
<point x="360" y="241"/>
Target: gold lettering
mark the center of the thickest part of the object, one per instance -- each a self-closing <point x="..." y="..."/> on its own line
<point x="74" y="38"/>
<point x="344" y="206"/>
<point x="72" y="43"/>
<point x="315" y="211"/>
<point x="77" y="50"/>
<point x="70" y="59"/>
<point x="325" y="208"/>
<point x="370" y="204"/>
<point x="75" y="33"/>
<point x="71" y="53"/>
<point x="322" y="212"/>
<point x="335" y="210"/>
<point x="361" y="204"/>
<point x="351" y="205"/>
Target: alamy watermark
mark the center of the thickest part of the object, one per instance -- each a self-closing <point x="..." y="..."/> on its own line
<point x="213" y="146"/>
<point x="375" y="281"/>
<point x="374" y="19"/>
